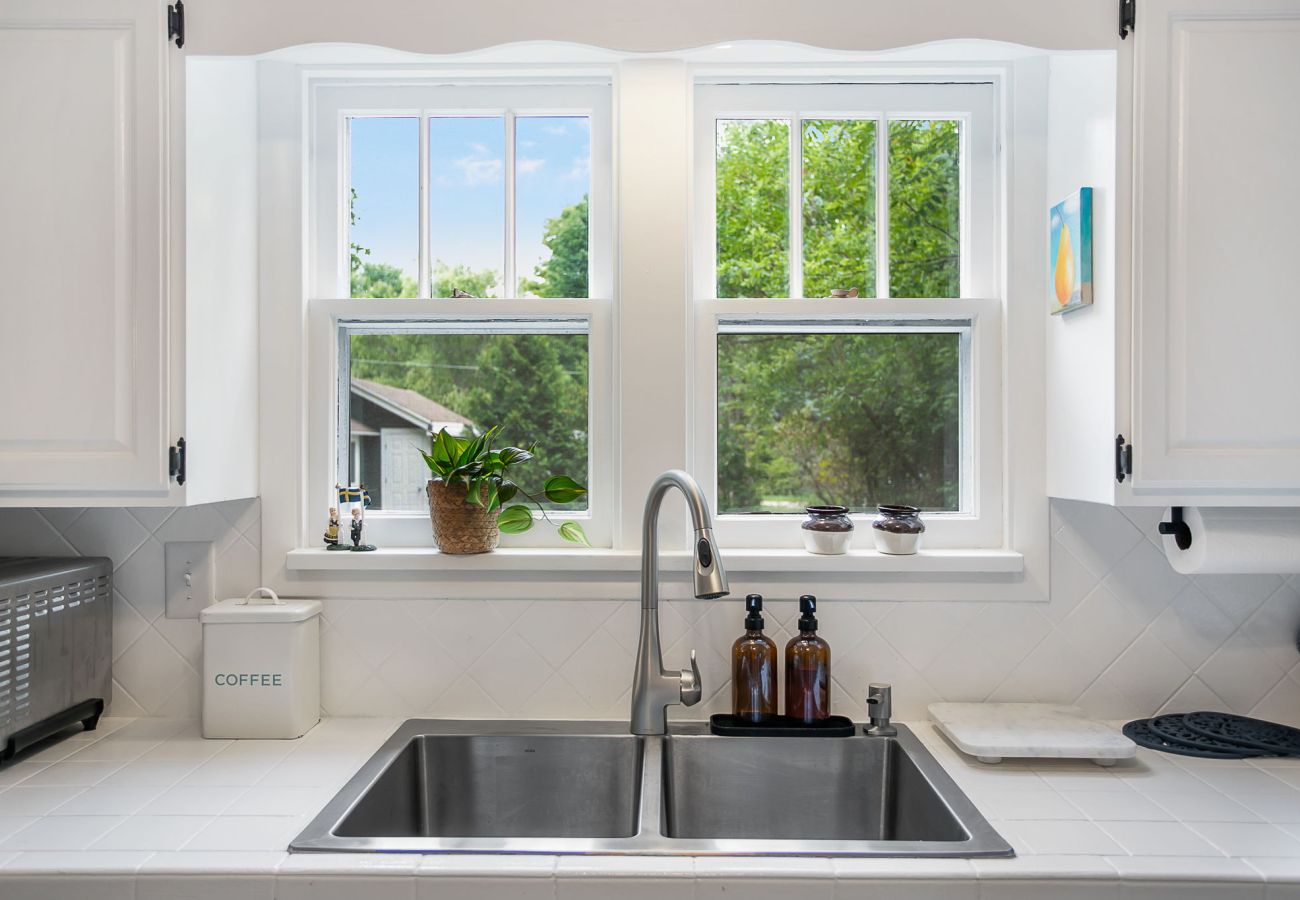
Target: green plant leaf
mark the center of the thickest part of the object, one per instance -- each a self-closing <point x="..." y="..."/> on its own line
<point x="572" y="531"/>
<point x="515" y="519"/>
<point x="508" y="491"/>
<point x="511" y="456"/>
<point x="474" y="493"/>
<point x="563" y="489"/>
<point x="493" y="496"/>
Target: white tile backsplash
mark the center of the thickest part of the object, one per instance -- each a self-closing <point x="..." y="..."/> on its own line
<point x="1122" y="634"/>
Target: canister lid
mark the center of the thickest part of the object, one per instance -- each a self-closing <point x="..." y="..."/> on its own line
<point x="261" y="605"/>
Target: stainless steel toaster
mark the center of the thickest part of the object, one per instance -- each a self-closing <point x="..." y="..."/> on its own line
<point x="56" y="646"/>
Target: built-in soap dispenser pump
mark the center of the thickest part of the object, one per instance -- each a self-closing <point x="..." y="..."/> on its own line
<point x="753" y="667"/>
<point x="807" y="668"/>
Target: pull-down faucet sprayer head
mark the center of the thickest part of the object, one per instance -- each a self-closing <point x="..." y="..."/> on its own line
<point x="710" y="577"/>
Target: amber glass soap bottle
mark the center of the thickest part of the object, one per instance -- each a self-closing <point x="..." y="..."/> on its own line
<point x="807" y="668"/>
<point x="753" y="667"/>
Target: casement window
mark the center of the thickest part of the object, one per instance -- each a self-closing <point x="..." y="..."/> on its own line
<point x="847" y="305"/>
<point x="462" y="276"/>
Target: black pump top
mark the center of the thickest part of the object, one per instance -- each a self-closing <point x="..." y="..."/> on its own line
<point x="807" y="606"/>
<point x="754" y="608"/>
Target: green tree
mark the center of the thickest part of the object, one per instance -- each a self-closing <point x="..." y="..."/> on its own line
<point x="924" y="208"/>
<point x="476" y="283"/>
<point x="564" y="272"/>
<point x="753" y="209"/>
<point x="381" y="281"/>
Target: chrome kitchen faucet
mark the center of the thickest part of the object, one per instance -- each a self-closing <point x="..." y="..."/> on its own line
<point x="654" y="688"/>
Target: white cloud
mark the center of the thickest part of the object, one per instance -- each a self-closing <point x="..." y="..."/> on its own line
<point x="579" y="171"/>
<point x="527" y="166"/>
<point x="556" y="130"/>
<point x="477" y="170"/>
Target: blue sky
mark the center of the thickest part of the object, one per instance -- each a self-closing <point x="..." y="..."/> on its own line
<point x="466" y="186"/>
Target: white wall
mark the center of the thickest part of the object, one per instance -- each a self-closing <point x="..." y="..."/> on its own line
<point x="1123" y="634"/>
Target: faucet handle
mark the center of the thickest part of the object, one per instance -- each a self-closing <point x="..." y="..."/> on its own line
<point x="692" y="688"/>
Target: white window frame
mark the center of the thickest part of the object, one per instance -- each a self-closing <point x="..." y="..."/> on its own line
<point x="981" y="520"/>
<point x="331" y="102"/>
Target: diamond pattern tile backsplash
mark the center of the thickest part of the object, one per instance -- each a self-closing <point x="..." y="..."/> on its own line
<point x="1123" y="635"/>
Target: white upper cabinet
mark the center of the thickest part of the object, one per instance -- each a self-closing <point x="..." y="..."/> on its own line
<point x="1217" y="218"/>
<point x="1190" y="350"/>
<point x="92" y="308"/>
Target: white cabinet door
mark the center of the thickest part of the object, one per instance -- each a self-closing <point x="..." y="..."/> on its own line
<point x="83" y="310"/>
<point x="1217" y="255"/>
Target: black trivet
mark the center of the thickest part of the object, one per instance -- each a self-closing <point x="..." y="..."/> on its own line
<point x="1173" y="728"/>
<point x="1139" y="732"/>
<point x="1256" y="733"/>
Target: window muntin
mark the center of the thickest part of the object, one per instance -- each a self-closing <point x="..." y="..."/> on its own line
<point x="848" y="413"/>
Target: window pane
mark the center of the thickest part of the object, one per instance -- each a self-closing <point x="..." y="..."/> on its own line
<point x="467" y="205"/>
<point x="839" y="206"/>
<point x="753" y="207"/>
<point x="924" y="208"/>
<point x="849" y="419"/>
<point x="404" y="385"/>
<point x="552" y="183"/>
<point x="384" y="234"/>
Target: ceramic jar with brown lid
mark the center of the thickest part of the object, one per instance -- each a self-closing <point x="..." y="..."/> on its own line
<point x="898" y="529"/>
<point x="828" y="530"/>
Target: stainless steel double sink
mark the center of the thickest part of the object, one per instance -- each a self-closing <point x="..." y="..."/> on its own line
<point x="590" y="787"/>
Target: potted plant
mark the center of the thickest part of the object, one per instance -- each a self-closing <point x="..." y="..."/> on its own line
<point x="471" y="485"/>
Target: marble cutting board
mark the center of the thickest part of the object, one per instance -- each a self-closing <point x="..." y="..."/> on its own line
<point x="992" y="731"/>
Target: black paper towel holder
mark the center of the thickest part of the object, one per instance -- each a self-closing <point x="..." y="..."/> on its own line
<point x="1177" y="528"/>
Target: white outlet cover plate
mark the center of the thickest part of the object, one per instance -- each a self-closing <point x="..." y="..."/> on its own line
<point x="195" y="559"/>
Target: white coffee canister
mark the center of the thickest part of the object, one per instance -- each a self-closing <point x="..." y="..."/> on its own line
<point x="261" y="667"/>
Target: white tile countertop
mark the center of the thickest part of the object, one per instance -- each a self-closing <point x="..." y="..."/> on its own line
<point x="145" y="809"/>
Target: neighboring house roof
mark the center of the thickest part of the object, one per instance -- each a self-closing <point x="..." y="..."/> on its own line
<point x="414" y="407"/>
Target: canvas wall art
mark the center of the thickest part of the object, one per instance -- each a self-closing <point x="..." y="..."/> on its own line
<point x="1071" y="252"/>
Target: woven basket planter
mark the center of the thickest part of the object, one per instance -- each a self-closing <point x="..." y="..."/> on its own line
<point x="458" y="527"/>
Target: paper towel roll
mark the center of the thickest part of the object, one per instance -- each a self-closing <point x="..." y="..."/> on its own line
<point x="1236" y="541"/>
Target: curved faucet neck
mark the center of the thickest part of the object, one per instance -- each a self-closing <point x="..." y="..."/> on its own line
<point x="700" y="519"/>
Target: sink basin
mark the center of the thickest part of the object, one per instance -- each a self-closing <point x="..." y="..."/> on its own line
<point x="591" y="787"/>
<point x="789" y="789"/>
<point x="484" y="785"/>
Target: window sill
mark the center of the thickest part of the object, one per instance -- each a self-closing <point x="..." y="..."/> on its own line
<point x="579" y="574"/>
<point x="558" y="562"/>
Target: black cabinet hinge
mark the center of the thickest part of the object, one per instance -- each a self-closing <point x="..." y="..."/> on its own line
<point x="176" y="461"/>
<point x="1123" y="458"/>
<point x="1127" y="17"/>
<point x="176" y="22"/>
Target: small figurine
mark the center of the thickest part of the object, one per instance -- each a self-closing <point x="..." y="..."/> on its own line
<point x="332" y="531"/>
<point x="357" y="524"/>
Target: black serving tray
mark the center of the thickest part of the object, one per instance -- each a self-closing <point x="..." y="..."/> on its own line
<point x="728" y="725"/>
